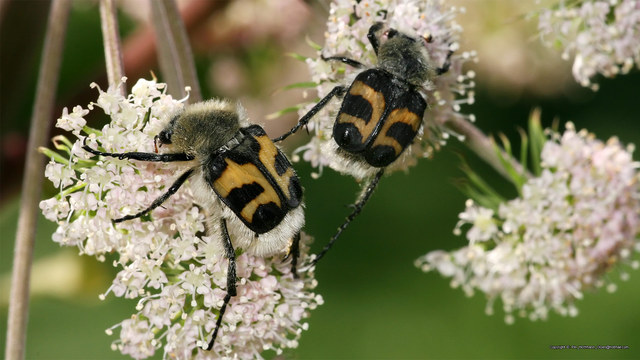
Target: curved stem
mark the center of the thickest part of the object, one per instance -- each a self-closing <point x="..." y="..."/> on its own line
<point x="33" y="177"/>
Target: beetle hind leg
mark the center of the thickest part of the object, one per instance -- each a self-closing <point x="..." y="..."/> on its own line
<point x="357" y="208"/>
<point x="230" y="254"/>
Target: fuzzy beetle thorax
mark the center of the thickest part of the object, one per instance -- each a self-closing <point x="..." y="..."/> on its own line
<point x="201" y="131"/>
<point x="406" y="58"/>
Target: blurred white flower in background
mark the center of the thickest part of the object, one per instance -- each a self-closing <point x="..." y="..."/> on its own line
<point x="601" y="36"/>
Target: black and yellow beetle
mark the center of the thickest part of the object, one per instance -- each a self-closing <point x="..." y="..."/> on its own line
<point x="382" y="109"/>
<point x="239" y="178"/>
<point x="379" y="117"/>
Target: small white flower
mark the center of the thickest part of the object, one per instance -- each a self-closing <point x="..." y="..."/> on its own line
<point x="136" y="338"/>
<point x="484" y="225"/>
<point x="110" y="100"/>
<point x="144" y="92"/>
<point x="73" y="122"/>
<point x="571" y="225"/>
<point x="53" y="209"/>
<point x="61" y="175"/>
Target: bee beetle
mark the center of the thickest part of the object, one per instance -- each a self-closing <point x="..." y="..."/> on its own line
<point x="239" y="177"/>
<point x="382" y="109"/>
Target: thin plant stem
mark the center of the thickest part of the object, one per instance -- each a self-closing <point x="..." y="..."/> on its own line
<point x="33" y="179"/>
<point x="485" y="147"/>
<point x="112" y="45"/>
<point x="174" y="51"/>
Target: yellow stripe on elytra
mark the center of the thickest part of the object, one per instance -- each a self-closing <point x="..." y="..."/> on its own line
<point x="403" y="115"/>
<point x="236" y="176"/>
<point x="375" y="98"/>
<point x="267" y="156"/>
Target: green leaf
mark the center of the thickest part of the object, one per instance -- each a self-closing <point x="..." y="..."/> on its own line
<point x="524" y="148"/>
<point x="517" y="178"/>
<point x="90" y="130"/>
<point x="287" y="110"/>
<point x="301" y="85"/>
<point x="297" y="56"/>
<point x="478" y="189"/>
<point x="147" y="116"/>
<point x="312" y="43"/>
<point x="61" y="138"/>
<point x="53" y="155"/>
<point x="536" y="134"/>
<point x="481" y="184"/>
<point x="72" y="189"/>
<point x="506" y="144"/>
<point x="478" y="196"/>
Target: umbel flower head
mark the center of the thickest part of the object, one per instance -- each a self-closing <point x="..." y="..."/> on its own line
<point x="602" y="36"/>
<point x="346" y="35"/>
<point x="167" y="260"/>
<point x="570" y="226"/>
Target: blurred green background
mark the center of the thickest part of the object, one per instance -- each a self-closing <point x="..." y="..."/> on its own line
<point x="377" y="304"/>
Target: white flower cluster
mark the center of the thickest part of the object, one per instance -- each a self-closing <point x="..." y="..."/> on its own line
<point x="346" y="35"/>
<point x="570" y="225"/>
<point x="602" y="35"/>
<point x="177" y="273"/>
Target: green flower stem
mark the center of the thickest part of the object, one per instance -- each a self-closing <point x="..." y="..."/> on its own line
<point x="33" y="177"/>
<point x="112" y="45"/>
<point x="485" y="148"/>
<point x="67" y="191"/>
<point x="89" y="130"/>
<point x="62" y="139"/>
<point x="50" y="154"/>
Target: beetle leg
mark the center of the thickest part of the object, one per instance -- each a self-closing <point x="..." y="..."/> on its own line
<point x="157" y="202"/>
<point x="337" y="91"/>
<point x="294" y="252"/>
<point x="357" y="207"/>
<point x="346" y="60"/>
<point x="142" y="156"/>
<point x="230" y="254"/>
